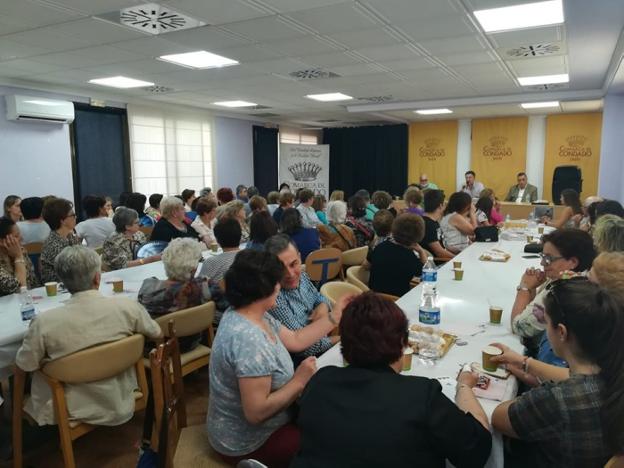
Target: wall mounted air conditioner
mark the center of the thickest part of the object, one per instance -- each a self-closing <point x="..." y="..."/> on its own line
<point x="39" y="109"/>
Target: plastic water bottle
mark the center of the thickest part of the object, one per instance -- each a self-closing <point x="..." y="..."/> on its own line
<point x="429" y="312"/>
<point x="27" y="307"/>
<point x="507" y="218"/>
<point x="532" y="222"/>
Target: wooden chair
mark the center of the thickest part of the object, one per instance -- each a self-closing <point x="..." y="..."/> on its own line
<point x="617" y="461"/>
<point x="89" y="365"/>
<point x="358" y="276"/>
<point x="334" y="290"/>
<point x="390" y="297"/>
<point x="354" y="257"/>
<point x="190" y="322"/>
<point x="34" y="253"/>
<point x="323" y="265"/>
<point x="184" y="446"/>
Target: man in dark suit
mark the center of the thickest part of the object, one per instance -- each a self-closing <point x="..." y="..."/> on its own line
<point x="522" y="192"/>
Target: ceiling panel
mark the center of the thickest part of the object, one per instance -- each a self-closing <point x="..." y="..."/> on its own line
<point x="34" y="14"/>
<point x="527" y="36"/>
<point x="217" y="11"/>
<point x="381" y="54"/>
<point x="334" y="19"/>
<point x="286" y="6"/>
<point x="405" y="10"/>
<point x="328" y="60"/>
<point x="453" y="45"/>
<point x="31" y="66"/>
<point x="443" y="27"/>
<point x="90" y="7"/>
<point x="300" y="46"/>
<point x="254" y="53"/>
<point x="264" y="29"/>
<point x="539" y="66"/>
<point x="416" y="63"/>
<point x="364" y="38"/>
<point x="52" y="41"/>
<point x="205" y="38"/>
<point x="468" y="58"/>
<point x="92" y="31"/>
<point x="152" y="46"/>
<point x="11" y="50"/>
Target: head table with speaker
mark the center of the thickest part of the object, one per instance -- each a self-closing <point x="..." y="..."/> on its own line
<point x="470" y="312"/>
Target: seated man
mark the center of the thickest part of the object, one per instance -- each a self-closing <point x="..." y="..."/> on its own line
<point x="472" y="186"/>
<point x="87" y="319"/>
<point x="425" y="184"/>
<point x="432" y="241"/>
<point x="522" y="192"/>
<point x="298" y="302"/>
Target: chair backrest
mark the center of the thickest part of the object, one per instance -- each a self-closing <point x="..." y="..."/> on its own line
<point x="98" y="362"/>
<point x="354" y="256"/>
<point x="189" y="321"/>
<point x="168" y="397"/>
<point x="147" y="230"/>
<point x="334" y="290"/>
<point x="33" y="248"/>
<point x="358" y="276"/>
<point x="324" y="264"/>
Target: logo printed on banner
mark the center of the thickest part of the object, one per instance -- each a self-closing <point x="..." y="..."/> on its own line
<point x="576" y="149"/>
<point x="431" y="150"/>
<point x="497" y="149"/>
<point x="305" y="171"/>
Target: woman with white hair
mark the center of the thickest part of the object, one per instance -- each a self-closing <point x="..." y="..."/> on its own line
<point x="172" y="224"/>
<point x="181" y="289"/>
<point x="609" y="233"/>
<point x="120" y="248"/>
<point x="336" y="233"/>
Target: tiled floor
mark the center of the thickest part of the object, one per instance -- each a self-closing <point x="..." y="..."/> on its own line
<point x="116" y="447"/>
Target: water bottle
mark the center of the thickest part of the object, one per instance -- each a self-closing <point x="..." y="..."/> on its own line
<point x="429" y="311"/>
<point x="532" y="222"/>
<point x="429" y="277"/>
<point x="27" y="307"/>
<point x="507" y="218"/>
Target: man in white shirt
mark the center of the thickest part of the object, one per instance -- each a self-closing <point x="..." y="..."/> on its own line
<point x="33" y="228"/>
<point x="472" y="187"/>
<point x="85" y="320"/>
<point x="98" y="226"/>
<point x="523" y="192"/>
<point x="308" y="215"/>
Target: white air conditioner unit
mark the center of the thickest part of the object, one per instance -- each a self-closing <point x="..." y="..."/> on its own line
<point x="39" y="109"/>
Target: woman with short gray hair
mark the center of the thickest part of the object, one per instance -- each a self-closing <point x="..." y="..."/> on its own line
<point x="173" y="222"/>
<point x="77" y="267"/>
<point x="121" y="247"/>
<point x="181" y="289"/>
<point x="336" y="233"/>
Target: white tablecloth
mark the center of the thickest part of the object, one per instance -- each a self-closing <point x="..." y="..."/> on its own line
<point x="464" y="311"/>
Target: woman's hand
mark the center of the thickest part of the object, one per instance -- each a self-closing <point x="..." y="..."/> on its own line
<point x="340" y="305"/>
<point x="13" y="246"/>
<point x="533" y="278"/>
<point x="509" y="357"/>
<point x="468" y="378"/>
<point x="305" y="371"/>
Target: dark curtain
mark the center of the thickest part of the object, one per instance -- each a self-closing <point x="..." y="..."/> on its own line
<point x="101" y="158"/>
<point x="265" y="158"/>
<point x="371" y="158"/>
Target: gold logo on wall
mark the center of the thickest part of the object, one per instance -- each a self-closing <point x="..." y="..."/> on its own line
<point x="497" y="148"/>
<point x="431" y="150"/>
<point x="575" y="148"/>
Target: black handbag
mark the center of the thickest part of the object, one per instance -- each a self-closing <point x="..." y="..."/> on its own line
<point x="486" y="234"/>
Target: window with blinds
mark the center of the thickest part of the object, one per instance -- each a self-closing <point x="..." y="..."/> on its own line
<point x="297" y="137"/>
<point x="169" y="152"/>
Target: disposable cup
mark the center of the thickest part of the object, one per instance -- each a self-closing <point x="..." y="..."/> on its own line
<point x="51" y="288"/>
<point x="487" y="354"/>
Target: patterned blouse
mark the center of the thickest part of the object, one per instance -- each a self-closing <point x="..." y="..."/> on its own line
<point x="118" y="250"/>
<point x="362" y="228"/>
<point x="51" y="248"/>
<point x="8" y="281"/>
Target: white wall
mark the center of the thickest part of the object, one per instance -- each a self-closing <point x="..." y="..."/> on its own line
<point x="233" y="151"/>
<point x="611" y="173"/>
<point x="35" y="157"/>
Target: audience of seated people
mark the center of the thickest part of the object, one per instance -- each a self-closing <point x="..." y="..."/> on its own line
<point x="153" y="210"/>
<point x="459" y="222"/>
<point x="413" y="198"/>
<point x="286" y="200"/>
<point x="337" y="195"/>
<point x="571" y="215"/>
<point x="272" y="201"/>
<point x="306" y="239"/>
<point x="609" y="234"/>
<point x="483" y="211"/>
<point x="235" y="210"/>
<point x="472" y="187"/>
<point x="495" y="215"/>
<point x="188" y="197"/>
<point x="16" y="269"/>
<point x="172" y="223"/>
<point x="261" y="227"/>
<point x="382" y="225"/>
<point x="98" y="226"/>
<point x="224" y="195"/>
<point x="381" y="200"/>
<point x="120" y="249"/>
<point x="357" y="222"/>
<point x="252" y="191"/>
<point x="33" y="228"/>
<point x="60" y="216"/>
<point x="136" y="201"/>
<point x="336" y="234"/>
<point x="241" y="193"/>
<point x="256" y="204"/>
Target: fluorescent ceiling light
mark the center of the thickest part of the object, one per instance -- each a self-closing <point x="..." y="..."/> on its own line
<point x="121" y="82"/>
<point x="433" y="111"/>
<point x="539" y="105"/>
<point x="199" y="59"/>
<point x="544" y="79"/>
<point x="235" y="104"/>
<point x="528" y="15"/>
<point x="329" y="97"/>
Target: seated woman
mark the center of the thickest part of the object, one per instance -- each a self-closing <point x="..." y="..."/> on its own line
<point x="224" y="195"/>
<point x="272" y="201"/>
<point x="16" y="269"/>
<point x="568" y="249"/>
<point x="382" y="224"/>
<point x="84" y="320"/>
<point x="459" y="222"/>
<point x="484" y="207"/>
<point x="571" y="215"/>
<point x="120" y="248"/>
<point x="261" y="227"/>
<point x="306" y="239"/>
<point x="337" y="195"/>
<point x="12" y="208"/>
<point x="181" y="289"/>
<point x="204" y="222"/>
<point x="252" y="380"/>
<point x="495" y="215"/>
<point x="153" y="210"/>
<point x="172" y="223"/>
<point x="380" y="417"/>
<point x="609" y="233"/>
<point x="235" y="210"/>
<point x="576" y="422"/>
<point x="98" y="226"/>
<point x="413" y="197"/>
<point x="357" y="222"/>
<point x="320" y="207"/>
<point x="136" y="201"/>
<point x="256" y="203"/>
<point x="60" y="216"/>
<point x="336" y="234"/>
<point x="33" y="228"/>
<point x="395" y="262"/>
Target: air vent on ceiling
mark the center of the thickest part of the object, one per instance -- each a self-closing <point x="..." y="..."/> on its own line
<point x="153" y="18"/>
<point x="376" y="98"/>
<point x="265" y="115"/>
<point x="156" y="89"/>
<point x="548" y="87"/>
<point x="313" y="74"/>
<point x="542" y="49"/>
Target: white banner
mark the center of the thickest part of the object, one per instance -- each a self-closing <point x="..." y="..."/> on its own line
<point x="305" y="166"/>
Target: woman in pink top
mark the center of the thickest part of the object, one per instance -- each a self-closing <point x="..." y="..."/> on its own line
<point x="495" y="215"/>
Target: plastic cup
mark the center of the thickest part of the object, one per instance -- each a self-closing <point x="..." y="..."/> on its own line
<point x="459" y="274"/>
<point x="457" y="265"/>
<point x="51" y="288"/>
<point x="214" y="247"/>
<point x="529" y="239"/>
<point x="408" y="353"/>
<point x="496" y="314"/>
<point x="487" y="354"/>
<point x="540" y="230"/>
<point x="118" y="285"/>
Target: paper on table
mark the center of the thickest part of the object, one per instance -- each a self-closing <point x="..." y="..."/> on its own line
<point x="496" y="390"/>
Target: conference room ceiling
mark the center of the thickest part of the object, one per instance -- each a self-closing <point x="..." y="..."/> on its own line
<point x="392" y="56"/>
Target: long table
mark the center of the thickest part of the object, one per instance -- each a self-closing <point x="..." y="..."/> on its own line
<point x="465" y="312"/>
